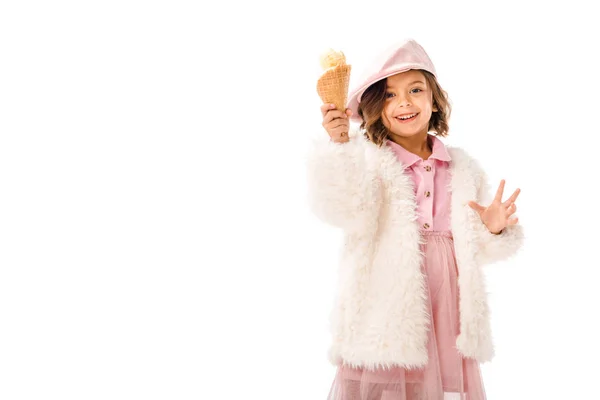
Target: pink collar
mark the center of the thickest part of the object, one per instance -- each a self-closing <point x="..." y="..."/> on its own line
<point x="438" y="152"/>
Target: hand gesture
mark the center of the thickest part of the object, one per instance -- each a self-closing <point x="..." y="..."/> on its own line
<point x="496" y="215"/>
<point x="336" y="122"/>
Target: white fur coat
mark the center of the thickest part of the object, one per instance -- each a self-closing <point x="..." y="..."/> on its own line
<point x="379" y="318"/>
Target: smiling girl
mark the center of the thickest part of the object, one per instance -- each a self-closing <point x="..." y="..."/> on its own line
<point x="410" y="318"/>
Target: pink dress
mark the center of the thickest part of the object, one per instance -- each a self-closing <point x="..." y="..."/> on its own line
<point x="447" y="374"/>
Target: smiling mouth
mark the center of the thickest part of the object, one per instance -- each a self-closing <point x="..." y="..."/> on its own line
<point x="405" y="119"/>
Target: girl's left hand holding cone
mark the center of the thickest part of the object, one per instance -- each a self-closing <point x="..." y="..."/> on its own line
<point x="496" y="215"/>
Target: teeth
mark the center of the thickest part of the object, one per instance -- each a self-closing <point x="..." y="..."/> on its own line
<point x="407" y="116"/>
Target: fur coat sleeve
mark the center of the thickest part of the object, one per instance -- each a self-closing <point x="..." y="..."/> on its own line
<point x="343" y="189"/>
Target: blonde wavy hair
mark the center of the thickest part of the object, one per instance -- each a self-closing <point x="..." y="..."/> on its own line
<point x="372" y="103"/>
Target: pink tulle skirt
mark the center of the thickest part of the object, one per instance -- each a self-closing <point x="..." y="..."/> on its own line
<point x="447" y="375"/>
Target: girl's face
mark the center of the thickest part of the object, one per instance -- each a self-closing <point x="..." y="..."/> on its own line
<point x="407" y="94"/>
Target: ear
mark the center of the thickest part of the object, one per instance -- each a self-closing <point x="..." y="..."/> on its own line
<point x="435" y="109"/>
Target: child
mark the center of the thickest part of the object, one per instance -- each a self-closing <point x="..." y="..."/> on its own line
<point x="410" y="319"/>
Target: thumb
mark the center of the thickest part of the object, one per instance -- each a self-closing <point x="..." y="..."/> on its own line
<point x="476" y="206"/>
<point x="348" y="112"/>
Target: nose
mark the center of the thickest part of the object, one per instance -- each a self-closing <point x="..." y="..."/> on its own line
<point x="403" y="101"/>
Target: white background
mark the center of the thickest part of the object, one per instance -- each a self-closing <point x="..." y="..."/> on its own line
<point x="155" y="237"/>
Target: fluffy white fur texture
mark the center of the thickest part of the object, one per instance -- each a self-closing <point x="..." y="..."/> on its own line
<point x="379" y="318"/>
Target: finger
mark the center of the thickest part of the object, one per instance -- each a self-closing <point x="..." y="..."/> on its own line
<point x="513" y="197"/>
<point x="333" y="114"/>
<point x="500" y="191"/>
<point x="349" y="112"/>
<point x="326" y="107"/>
<point x="511" y="209"/>
<point x="513" y="221"/>
<point x="336" y="123"/>
<point x="476" y="206"/>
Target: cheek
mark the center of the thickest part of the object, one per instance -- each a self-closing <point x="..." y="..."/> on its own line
<point x="387" y="113"/>
<point x="425" y="108"/>
<point x="385" y="118"/>
<point x="423" y="103"/>
<point x="385" y="121"/>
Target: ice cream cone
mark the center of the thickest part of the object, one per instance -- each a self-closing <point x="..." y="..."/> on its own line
<point x="332" y="86"/>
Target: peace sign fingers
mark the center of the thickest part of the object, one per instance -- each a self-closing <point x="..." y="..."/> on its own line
<point x="500" y="192"/>
<point x="512" y="198"/>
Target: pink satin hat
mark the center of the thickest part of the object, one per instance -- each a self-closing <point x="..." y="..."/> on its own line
<point x="400" y="57"/>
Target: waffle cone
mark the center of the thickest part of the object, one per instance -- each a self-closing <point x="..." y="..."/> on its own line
<point x="332" y="86"/>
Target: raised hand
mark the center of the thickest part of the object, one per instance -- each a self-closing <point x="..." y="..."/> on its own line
<point x="496" y="215"/>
